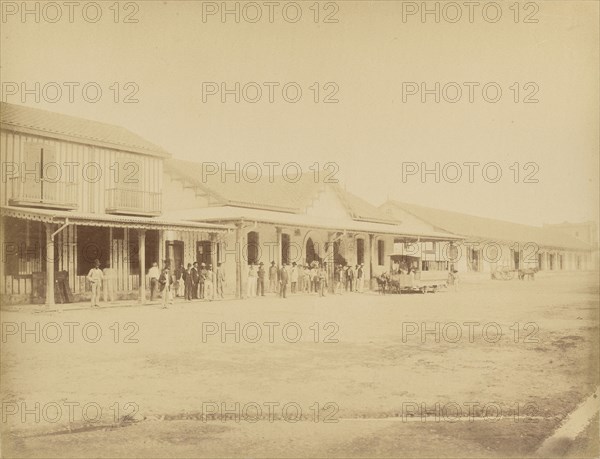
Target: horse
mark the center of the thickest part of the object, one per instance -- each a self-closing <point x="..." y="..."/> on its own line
<point x="527" y="273"/>
<point x="382" y="282"/>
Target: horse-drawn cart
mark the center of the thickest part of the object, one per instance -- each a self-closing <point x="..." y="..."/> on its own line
<point x="420" y="281"/>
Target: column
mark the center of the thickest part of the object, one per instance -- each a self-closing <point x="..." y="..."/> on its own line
<point x="49" y="264"/>
<point x="238" y="260"/>
<point x="213" y="249"/>
<point x="142" y="261"/>
<point x="371" y="240"/>
<point x="278" y="259"/>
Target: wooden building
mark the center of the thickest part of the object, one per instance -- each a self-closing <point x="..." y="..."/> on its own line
<point x="75" y="190"/>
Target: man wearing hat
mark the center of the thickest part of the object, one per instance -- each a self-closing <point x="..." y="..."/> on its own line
<point x="360" y="278"/>
<point x="209" y="282"/>
<point x="260" y="290"/>
<point x="283" y="281"/>
<point x="294" y="277"/>
<point x="195" y="278"/>
<point x="272" y="277"/>
<point x="187" y="279"/>
<point x="95" y="278"/>
<point x="202" y="280"/>
<point x="220" y="279"/>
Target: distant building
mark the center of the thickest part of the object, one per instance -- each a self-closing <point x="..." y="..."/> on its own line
<point x="489" y="244"/>
<point x="586" y="232"/>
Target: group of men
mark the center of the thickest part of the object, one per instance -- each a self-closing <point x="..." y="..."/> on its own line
<point x="312" y="278"/>
<point x="200" y="281"/>
<point x="196" y="282"/>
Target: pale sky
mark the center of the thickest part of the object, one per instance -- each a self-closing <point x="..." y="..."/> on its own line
<point x="368" y="54"/>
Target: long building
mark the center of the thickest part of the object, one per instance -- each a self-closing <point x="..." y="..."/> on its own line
<point x="76" y="190"/>
<point x="489" y="244"/>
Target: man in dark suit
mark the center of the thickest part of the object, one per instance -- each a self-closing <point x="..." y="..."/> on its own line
<point x="283" y="281"/>
<point x="187" y="282"/>
<point x="195" y="276"/>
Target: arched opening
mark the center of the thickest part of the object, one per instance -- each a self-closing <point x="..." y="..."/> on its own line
<point x="253" y="248"/>
<point x="311" y="252"/>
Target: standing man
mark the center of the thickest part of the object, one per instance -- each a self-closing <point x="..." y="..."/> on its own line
<point x="209" y="284"/>
<point x="350" y="279"/>
<point x="283" y="281"/>
<point x="360" y="277"/>
<point x="220" y="280"/>
<point x="261" y="280"/>
<point x="294" y="277"/>
<point x="153" y="275"/>
<point x="272" y="277"/>
<point x="95" y="278"/>
<point x="166" y="282"/>
<point x="337" y="279"/>
<point x="251" y="282"/>
<point x="202" y="279"/>
<point x="187" y="279"/>
<point x="195" y="277"/>
<point x="322" y="276"/>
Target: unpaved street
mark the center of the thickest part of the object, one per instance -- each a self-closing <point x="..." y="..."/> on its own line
<point x="345" y="375"/>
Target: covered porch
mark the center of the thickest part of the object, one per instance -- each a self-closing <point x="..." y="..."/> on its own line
<point x="45" y="250"/>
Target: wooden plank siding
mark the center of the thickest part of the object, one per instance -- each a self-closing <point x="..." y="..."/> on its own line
<point x="91" y="192"/>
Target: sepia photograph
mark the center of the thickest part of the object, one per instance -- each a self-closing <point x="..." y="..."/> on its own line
<point x="300" y="229"/>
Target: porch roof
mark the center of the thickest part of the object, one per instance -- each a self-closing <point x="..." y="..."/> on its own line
<point x="108" y="220"/>
<point x="230" y="214"/>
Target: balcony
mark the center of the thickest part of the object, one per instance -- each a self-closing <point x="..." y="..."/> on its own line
<point x="43" y="193"/>
<point x="133" y="202"/>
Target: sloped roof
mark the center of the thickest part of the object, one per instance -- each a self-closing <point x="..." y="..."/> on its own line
<point x="70" y="128"/>
<point x="481" y="228"/>
<point x="360" y="209"/>
<point x="281" y="194"/>
<point x="229" y="214"/>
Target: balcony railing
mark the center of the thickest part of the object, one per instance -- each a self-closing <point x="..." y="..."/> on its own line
<point x="133" y="202"/>
<point x="43" y="193"/>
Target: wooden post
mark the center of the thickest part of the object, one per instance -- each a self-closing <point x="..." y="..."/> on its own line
<point x="142" y="262"/>
<point x="49" y="264"/>
<point x="371" y="239"/>
<point x="278" y="259"/>
<point x="238" y="260"/>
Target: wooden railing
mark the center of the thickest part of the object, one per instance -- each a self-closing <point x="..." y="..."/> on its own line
<point x="135" y="202"/>
<point x="43" y="193"/>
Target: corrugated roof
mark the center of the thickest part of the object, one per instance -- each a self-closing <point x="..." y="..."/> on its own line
<point x="281" y="194"/>
<point x="60" y="217"/>
<point x="481" y="228"/>
<point x="70" y="128"/>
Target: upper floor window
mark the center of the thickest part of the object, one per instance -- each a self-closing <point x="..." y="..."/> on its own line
<point x="42" y="180"/>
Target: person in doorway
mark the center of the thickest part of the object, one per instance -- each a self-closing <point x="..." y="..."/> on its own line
<point x="95" y="278"/>
<point x="153" y="275"/>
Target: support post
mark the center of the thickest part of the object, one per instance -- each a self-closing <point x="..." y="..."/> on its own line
<point x="371" y="239"/>
<point x="238" y="260"/>
<point x="278" y="259"/>
<point x="142" y="262"/>
<point x="49" y="265"/>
